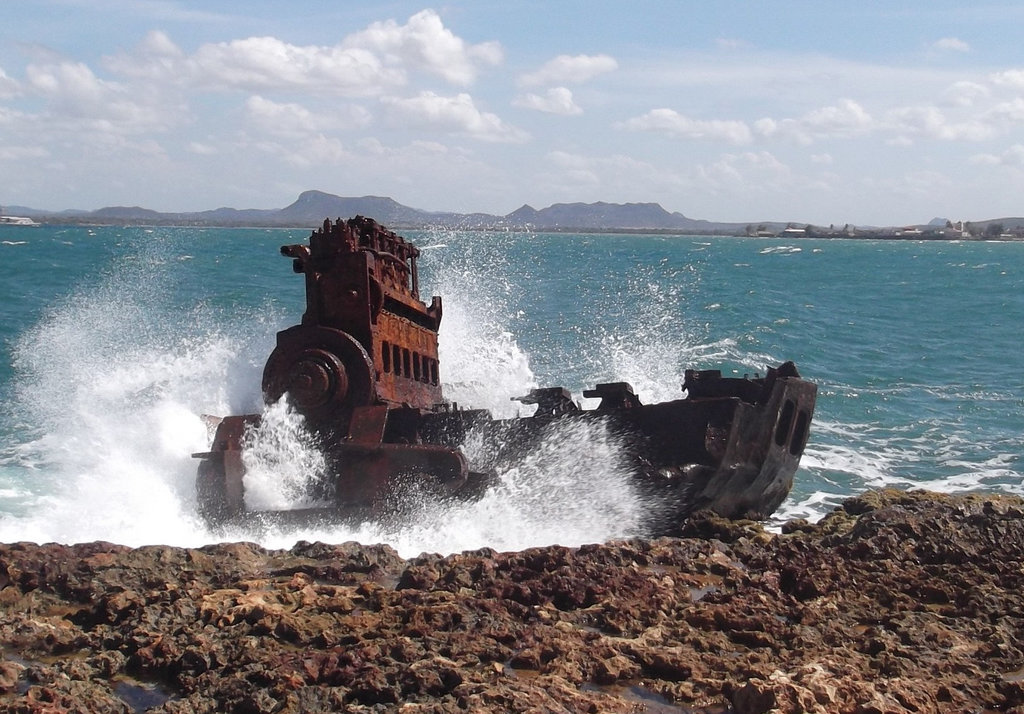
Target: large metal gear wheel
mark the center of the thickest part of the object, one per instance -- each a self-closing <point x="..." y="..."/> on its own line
<point x="325" y="373"/>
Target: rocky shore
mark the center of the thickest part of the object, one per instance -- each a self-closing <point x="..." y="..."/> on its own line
<point x="895" y="602"/>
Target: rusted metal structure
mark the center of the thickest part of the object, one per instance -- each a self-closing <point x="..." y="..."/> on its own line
<point x="362" y="368"/>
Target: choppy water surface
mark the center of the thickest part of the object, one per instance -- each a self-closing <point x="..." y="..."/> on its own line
<point x="115" y="342"/>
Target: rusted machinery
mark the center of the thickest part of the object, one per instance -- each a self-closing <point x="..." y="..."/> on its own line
<point x="362" y="369"/>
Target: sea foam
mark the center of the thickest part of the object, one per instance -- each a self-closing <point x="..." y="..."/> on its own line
<point x="117" y="386"/>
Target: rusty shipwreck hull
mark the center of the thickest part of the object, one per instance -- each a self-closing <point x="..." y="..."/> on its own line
<point x="362" y="369"/>
<point x="731" y="445"/>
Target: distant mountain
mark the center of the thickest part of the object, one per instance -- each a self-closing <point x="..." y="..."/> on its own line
<point x="19" y="211"/>
<point x="125" y="213"/>
<point x="604" y="216"/>
<point x="312" y="207"/>
<point x="229" y="216"/>
<point x="1016" y="223"/>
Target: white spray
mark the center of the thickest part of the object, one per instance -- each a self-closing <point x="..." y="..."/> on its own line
<point x="115" y="386"/>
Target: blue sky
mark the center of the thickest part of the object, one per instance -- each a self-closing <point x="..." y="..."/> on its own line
<point x="822" y="112"/>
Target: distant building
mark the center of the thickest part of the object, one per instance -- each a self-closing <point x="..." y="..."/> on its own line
<point x="15" y="220"/>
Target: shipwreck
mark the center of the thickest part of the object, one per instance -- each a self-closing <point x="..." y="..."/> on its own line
<point x="362" y="368"/>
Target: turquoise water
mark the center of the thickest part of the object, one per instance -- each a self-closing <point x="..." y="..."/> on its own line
<point x="115" y="341"/>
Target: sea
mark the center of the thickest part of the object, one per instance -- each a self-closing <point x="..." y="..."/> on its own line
<point x="117" y="342"/>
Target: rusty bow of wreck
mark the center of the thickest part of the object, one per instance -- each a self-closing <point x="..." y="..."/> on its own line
<point x="362" y="369"/>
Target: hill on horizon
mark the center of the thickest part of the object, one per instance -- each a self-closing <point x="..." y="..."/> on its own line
<point x="313" y="206"/>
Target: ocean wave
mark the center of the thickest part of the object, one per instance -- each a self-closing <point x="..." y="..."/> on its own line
<point x="784" y="249"/>
<point x="110" y="382"/>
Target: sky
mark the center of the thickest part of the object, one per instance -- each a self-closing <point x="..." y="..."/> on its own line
<point x="871" y="113"/>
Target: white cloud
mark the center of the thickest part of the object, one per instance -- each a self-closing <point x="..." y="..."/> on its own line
<point x="766" y="126"/>
<point x="951" y="44"/>
<point x="1013" y="156"/>
<point x="565" y="69"/>
<point x="931" y="122"/>
<point x="366" y="63"/>
<point x="571" y="161"/>
<point x="730" y="44"/>
<point x="425" y="43"/>
<point x="756" y="184"/>
<point x="76" y="94"/>
<point x="965" y="94"/>
<point x="374" y="147"/>
<point x="8" y="87"/>
<point x="749" y="168"/>
<point x="300" y="137"/>
<point x="310" y="151"/>
<point x="843" y="119"/>
<point x="673" y="123"/>
<point x="913" y="184"/>
<point x="289" y="118"/>
<point x="10" y="116"/>
<point x="158" y="44"/>
<point x="567" y="176"/>
<point x="280" y="118"/>
<point x="72" y="83"/>
<point x="456" y="114"/>
<point x="575" y="169"/>
<point x="201" y="149"/>
<point x="557" y="100"/>
<point x="1011" y="112"/>
<point x="415" y="171"/>
<point x="262" y="63"/>
<point x="18" y="153"/>
<point x="369" y="100"/>
<point x="1013" y="78"/>
<point x="156" y="58"/>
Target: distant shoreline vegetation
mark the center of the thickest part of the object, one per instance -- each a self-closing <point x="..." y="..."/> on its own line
<point x="312" y="207"/>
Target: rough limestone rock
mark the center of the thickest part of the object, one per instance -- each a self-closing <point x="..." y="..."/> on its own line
<point x="895" y="602"/>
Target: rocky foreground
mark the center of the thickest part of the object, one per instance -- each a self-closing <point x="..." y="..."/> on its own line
<point x="896" y="602"/>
